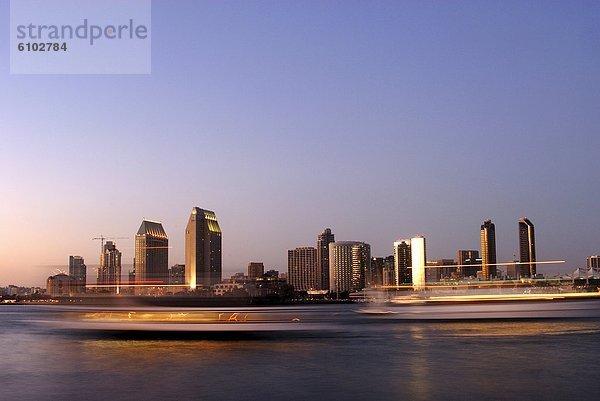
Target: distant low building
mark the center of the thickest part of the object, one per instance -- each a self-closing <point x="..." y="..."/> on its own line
<point x="61" y="285"/>
<point x="255" y="270"/>
<point x="225" y="288"/>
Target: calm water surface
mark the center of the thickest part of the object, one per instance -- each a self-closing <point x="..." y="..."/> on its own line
<point x="362" y="359"/>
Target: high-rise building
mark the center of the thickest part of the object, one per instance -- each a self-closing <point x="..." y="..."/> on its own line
<point x="376" y="276"/>
<point x="177" y="275"/>
<point x="527" y="247"/>
<point x="78" y="271"/>
<point x="109" y="272"/>
<point x="302" y="269"/>
<point x="593" y="262"/>
<point x="349" y="262"/>
<point x="389" y="276"/>
<point x="202" y="249"/>
<point x="402" y="262"/>
<point x="488" y="250"/>
<point x="466" y="258"/>
<point x="61" y="285"/>
<point x="255" y="270"/>
<point x="323" y="241"/>
<point x="418" y="253"/>
<point x="151" y="261"/>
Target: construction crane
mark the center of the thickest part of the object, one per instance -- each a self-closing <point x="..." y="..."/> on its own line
<point x="101" y="238"/>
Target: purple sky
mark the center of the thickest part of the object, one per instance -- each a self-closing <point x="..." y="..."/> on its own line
<point x="378" y="119"/>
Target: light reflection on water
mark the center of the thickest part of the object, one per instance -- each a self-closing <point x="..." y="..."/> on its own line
<point x="366" y="359"/>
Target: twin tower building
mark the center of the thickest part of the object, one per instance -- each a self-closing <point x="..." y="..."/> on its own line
<point x="203" y="266"/>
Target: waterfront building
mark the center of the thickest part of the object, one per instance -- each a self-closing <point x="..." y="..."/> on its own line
<point x="177" y="275"/>
<point x="436" y="272"/>
<point x="418" y="261"/>
<point x="302" y="269"/>
<point x="465" y="258"/>
<point x="376" y="276"/>
<point x="349" y="262"/>
<point x="527" y="248"/>
<point x="389" y="277"/>
<point x="109" y="272"/>
<point x="78" y="271"/>
<point x="203" y="239"/>
<point x="402" y="262"/>
<point x="323" y="241"/>
<point x="488" y="250"/>
<point x="61" y="285"/>
<point x="151" y="254"/>
<point x="255" y="270"/>
<point x="593" y="262"/>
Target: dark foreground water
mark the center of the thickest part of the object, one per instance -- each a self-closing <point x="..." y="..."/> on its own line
<point x="360" y="359"/>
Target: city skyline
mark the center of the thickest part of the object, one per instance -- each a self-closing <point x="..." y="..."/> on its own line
<point x="451" y="115"/>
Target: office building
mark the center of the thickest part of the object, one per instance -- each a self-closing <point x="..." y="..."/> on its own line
<point x="488" y="250"/>
<point x="62" y="285"/>
<point x="302" y="269"/>
<point x="418" y="253"/>
<point x="402" y="262"/>
<point x="437" y="272"/>
<point x="349" y="263"/>
<point x="376" y="276"/>
<point x="389" y="276"/>
<point x="323" y="241"/>
<point x="527" y="248"/>
<point x="177" y="275"/>
<point x="78" y="271"/>
<point x="203" y="249"/>
<point x="255" y="270"/>
<point x="151" y="255"/>
<point x="468" y="262"/>
<point x="109" y="273"/>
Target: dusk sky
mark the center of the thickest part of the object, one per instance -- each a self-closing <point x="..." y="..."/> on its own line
<point x="379" y="119"/>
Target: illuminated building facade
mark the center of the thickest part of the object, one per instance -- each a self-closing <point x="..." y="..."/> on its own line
<point x="323" y="241"/>
<point x="402" y="262"/>
<point x="151" y="254"/>
<point x="78" y="271"/>
<point x="527" y="248"/>
<point x="465" y="258"/>
<point x="255" y="270"/>
<point x="349" y="264"/>
<point x="418" y="261"/>
<point x="376" y="276"/>
<point x="203" y="237"/>
<point x="389" y="276"/>
<point x="302" y="269"/>
<point x="488" y="250"/>
<point x="109" y="272"/>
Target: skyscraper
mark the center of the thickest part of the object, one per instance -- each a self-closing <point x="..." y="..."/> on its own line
<point x="418" y="261"/>
<point x="488" y="250"/>
<point x="465" y="258"/>
<point x="323" y="241"/>
<point x="78" y="271"/>
<point x="527" y="247"/>
<point x="402" y="262"/>
<point x="349" y="263"/>
<point x="109" y="272"/>
<point x="202" y="249"/>
<point x="302" y="269"/>
<point x="376" y="276"/>
<point x="151" y="254"/>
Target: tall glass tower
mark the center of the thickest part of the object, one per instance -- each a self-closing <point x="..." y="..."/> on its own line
<point x="109" y="273"/>
<point x="151" y="261"/>
<point x="202" y="249"/>
<point x="323" y="241"/>
<point x="527" y="247"/>
<point x="488" y="250"/>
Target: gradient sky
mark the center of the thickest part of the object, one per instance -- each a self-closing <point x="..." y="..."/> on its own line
<point x="379" y="119"/>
